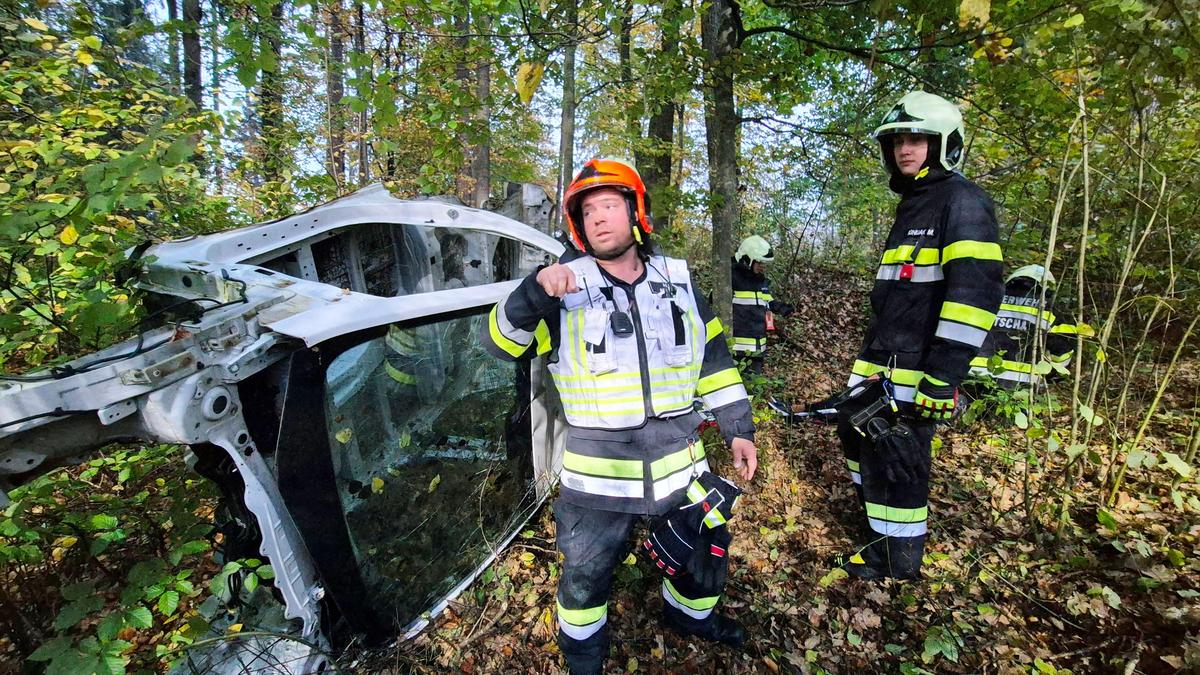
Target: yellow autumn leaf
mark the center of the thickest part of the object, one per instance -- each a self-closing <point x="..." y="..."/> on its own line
<point x="235" y="628"/>
<point x="69" y="235"/>
<point x="529" y="76"/>
<point x="4" y="187"/>
<point x="835" y="575"/>
<point x="974" y="11"/>
<point x="437" y="480"/>
<point x="84" y="58"/>
<point x="35" y="24"/>
<point x="376" y="485"/>
<point x="344" y="435"/>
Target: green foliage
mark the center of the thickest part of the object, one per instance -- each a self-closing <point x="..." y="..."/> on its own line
<point x="125" y="535"/>
<point x="96" y="158"/>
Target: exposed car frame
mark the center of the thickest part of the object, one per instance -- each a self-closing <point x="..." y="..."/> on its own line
<point x="239" y="377"/>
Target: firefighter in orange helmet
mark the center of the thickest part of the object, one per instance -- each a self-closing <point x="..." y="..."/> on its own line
<point x="631" y="343"/>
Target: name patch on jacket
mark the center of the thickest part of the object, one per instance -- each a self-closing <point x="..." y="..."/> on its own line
<point x="1012" y="322"/>
<point x="921" y="232"/>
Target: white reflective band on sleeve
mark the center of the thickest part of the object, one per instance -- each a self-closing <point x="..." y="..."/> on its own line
<point x="731" y="394"/>
<point x="582" y="632"/>
<point x="903" y="393"/>
<point x="695" y="614"/>
<point x="1014" y="376"/>
<point x="856" y="477"/>
<point x="680" y="479"/>
<point x="898" y="529"/>
<point x="608" y="487"/>
<point x="920" y="275"/>
<point x="968" y="335"/>
<point x="510" y="331"/>
<point x="854" y="379"/>
<point x="1010" y="375"/>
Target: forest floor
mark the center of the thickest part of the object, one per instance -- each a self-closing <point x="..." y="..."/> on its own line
<point x="1111" y="591"/>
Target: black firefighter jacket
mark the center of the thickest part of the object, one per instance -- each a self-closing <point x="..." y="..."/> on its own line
<point x="752" y="300"/>
<point x="938" y="285"/>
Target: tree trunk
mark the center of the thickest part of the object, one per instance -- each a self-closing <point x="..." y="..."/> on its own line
<point x="214" y="87"/>
<point x="335" y="88"/>
<point x="192" y="84"/>
<point x="481" y="157"/>
<point x="270" y="100"/>
<point x="720" y="124"/>
<point x="173" y="45"/>
<point x="363" y="91"/>
<point x="654" y="156"/>
<point x="463" y="73"/>
<point x="566" y="138"/>
<point x="633" y="102"/>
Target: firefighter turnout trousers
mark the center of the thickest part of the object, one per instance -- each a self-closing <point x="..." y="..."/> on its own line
<point x="593" y="542"/>
<point x="897" y="513"/>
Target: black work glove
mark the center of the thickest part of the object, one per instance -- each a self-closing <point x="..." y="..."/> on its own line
<point x="782" y="308"/>
<point x="901" y="455"/>
<point x="709" y="566"/>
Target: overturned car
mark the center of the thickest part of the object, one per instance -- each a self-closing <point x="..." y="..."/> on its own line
<point x="323" y="371"/>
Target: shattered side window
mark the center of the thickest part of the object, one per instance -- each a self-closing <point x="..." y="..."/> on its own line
<point x="432" y="451"/>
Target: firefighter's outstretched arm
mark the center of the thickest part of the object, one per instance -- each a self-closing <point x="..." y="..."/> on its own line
<point x="973" y="267"/>
<point x="519" y="321"/>
<point x="722" y="391"/>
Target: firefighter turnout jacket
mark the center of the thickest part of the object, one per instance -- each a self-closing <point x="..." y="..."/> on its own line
<point x="752" y="300"/>
<point x="622" y="355"/>
<point x="1021" y="325"/>
<point x="938" y="285"/>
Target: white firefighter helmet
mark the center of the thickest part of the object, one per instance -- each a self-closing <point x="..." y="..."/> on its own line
<point x="755" y="249"/>
<point x="920" y="112"/>
<point x="1036" y="272"/>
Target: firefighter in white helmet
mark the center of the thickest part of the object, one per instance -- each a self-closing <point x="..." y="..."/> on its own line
<point x="754" y="308"/>
<point x="937" y="290"/>
<point x="1027" y="333"/>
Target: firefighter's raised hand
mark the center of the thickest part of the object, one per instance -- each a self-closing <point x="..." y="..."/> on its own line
<point x="557" y="280"/>
<point x="745" y="458"/>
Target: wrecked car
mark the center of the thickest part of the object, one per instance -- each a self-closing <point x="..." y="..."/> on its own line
<point x="322" y="369"/>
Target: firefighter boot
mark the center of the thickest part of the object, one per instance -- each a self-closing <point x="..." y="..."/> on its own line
<point x="895" y="557"/>
<point x="717" y="628"/>
<point x="862" y="563"/>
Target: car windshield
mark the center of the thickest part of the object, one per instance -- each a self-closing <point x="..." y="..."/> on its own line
<point x="431" y="445"/>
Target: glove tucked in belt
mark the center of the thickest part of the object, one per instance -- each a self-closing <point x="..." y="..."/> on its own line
<point x="675" y="540"/>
